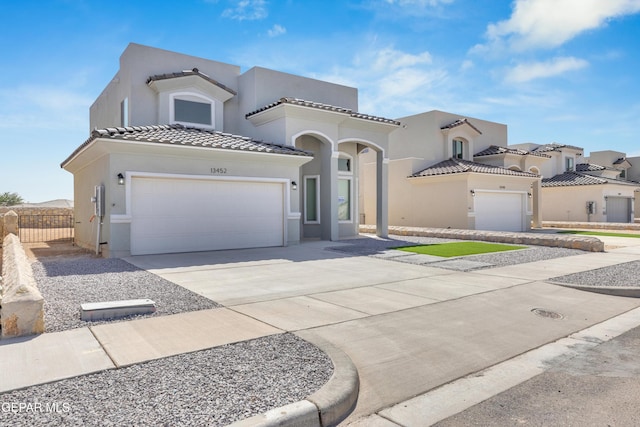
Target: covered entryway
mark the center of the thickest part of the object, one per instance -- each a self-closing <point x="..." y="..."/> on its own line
<point x="618" y="209"/>
<point x="499" y="211"/>
<point x="199" y="214"/>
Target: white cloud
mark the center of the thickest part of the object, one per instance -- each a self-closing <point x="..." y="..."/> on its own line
<point x="391" y="83"/>
<point x="247" y="10"/>
<point x="535" y="70"/>
<point x="276" y="31"/>
<point x="43" y="107"/>
<point x="551" y="23"/>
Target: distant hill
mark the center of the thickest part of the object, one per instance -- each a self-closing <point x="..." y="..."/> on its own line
<point x="58" y="203"/>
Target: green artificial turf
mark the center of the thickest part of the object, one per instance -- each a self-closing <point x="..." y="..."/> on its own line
<point x="600" y="233"/>
<point x="459" y="249"/>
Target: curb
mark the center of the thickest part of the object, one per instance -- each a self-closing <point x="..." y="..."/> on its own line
<point x="568" y="241"/>
<point x="326" y="407"/>
<point x="618" y="291"/>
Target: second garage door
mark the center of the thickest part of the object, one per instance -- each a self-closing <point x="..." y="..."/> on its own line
<point x="185" y="215"/>
<point x="499" y="211"/>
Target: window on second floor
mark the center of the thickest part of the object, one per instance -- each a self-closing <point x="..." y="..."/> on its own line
<point x="568" y="164"/>
<point x="192" y="112"/>
<point x="458" y="149"/>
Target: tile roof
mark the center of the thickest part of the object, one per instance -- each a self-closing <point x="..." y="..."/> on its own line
<point x="179" y="135"/>
<point x="321" y="106"/>
<point x="460" y="122"/>
<point x="555" y="147"/>
<point x="453" y="166"/>
<point x="571" y="178"/>
<point x="193" y="72"/>
<point x="620" y="161"/>
<point x="589" y="167"/>
<point x="496" y="149"/>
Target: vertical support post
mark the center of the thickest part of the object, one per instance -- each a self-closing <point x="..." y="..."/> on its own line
<point x="382" y="195"/>
<point x="536" y="192"/>
<point x="333" y="173"/>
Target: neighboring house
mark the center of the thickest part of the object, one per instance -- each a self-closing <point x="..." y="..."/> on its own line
<point x="581" y="189"/>
<point x="449" y="171"/>
<point x="189" y="154"/>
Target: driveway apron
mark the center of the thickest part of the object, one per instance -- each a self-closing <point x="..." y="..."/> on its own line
<point x="407" y="328"/>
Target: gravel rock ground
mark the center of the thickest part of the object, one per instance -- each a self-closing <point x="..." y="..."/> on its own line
<point x="616" y="275"/>
<point x="373" y="246"/>
<point x="67" y="283"/>
<point x="213" y="387"/>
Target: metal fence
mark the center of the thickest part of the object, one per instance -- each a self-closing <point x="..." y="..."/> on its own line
<point x="45" y="228"/>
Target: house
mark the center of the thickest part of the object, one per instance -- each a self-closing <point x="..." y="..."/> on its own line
<point x="189" y="154"/>
<point x="579" y="189"/>
<point x="449" y="171"/>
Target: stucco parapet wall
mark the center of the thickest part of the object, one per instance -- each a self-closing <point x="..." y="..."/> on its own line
<point x="592" y="225"/>
<point x="21" y="304"/>
<point x="570" y="241"/>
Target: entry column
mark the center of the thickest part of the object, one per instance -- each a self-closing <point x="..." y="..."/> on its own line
<point x="382" y="196"/>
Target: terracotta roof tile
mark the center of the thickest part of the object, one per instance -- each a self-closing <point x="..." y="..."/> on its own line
<point x="180" y="135"/>
<point x="194" y="72"/>
<point x="460" y="122"/>
<point x="453" y="166"/>
<point x="496" y="149"/>
<point x="321" y="106"/>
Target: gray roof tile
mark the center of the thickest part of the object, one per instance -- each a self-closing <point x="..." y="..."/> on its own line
<point x="194" y="72"/>
<point x="460" y="122"/>
<point x="179" y="135"/>
<point x="571" y="178"/>
<point x="453" y="166"/>
<point x="321" y="106"/>
<point x="554" y="147"/>
<point x="496" y="149"/>
<point x="589" y="167"/>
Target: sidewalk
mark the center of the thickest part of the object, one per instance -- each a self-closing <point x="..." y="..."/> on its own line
<point x="409" y="329"/>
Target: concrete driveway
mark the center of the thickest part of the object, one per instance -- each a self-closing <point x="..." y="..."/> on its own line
<point x="408" y="328"/>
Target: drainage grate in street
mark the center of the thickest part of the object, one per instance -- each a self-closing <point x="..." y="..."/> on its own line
<point x="547" y="314"/>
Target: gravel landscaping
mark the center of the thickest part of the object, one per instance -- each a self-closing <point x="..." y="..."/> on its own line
<point x="625" y="274"/>
<point x="67" y="283"/>
<point x="374" y="247"/>
<point x="213" y="387"/>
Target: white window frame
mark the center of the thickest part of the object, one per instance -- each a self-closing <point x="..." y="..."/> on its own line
<point x="568" y="160"/>
<point x="304" y="201"/>
<point x="454" y="142"/>
<point x="192" y="97"/>
<point x="351" y="202"/>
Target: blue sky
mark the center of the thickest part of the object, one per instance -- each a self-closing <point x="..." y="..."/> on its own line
<point x="563" y="71"/>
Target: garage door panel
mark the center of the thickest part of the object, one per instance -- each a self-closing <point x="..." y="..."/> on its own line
<point x="183" y="215"/>
<point x="499" y="211"/>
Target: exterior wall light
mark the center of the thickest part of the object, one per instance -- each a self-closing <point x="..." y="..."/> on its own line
<point x="294" y="185"/>
<point x="120" y="179"/>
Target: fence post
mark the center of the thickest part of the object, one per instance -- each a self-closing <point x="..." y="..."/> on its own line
<point x="10" y="223"/>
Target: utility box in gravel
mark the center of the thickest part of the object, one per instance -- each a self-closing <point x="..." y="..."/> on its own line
<point x="115" y="309"/>
<point x="21" y="304"/>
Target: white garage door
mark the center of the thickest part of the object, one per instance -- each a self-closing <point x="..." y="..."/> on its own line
<point x="618" y="209"/>
<point x="185" y="215"/>
<point x="499" y="211"/>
